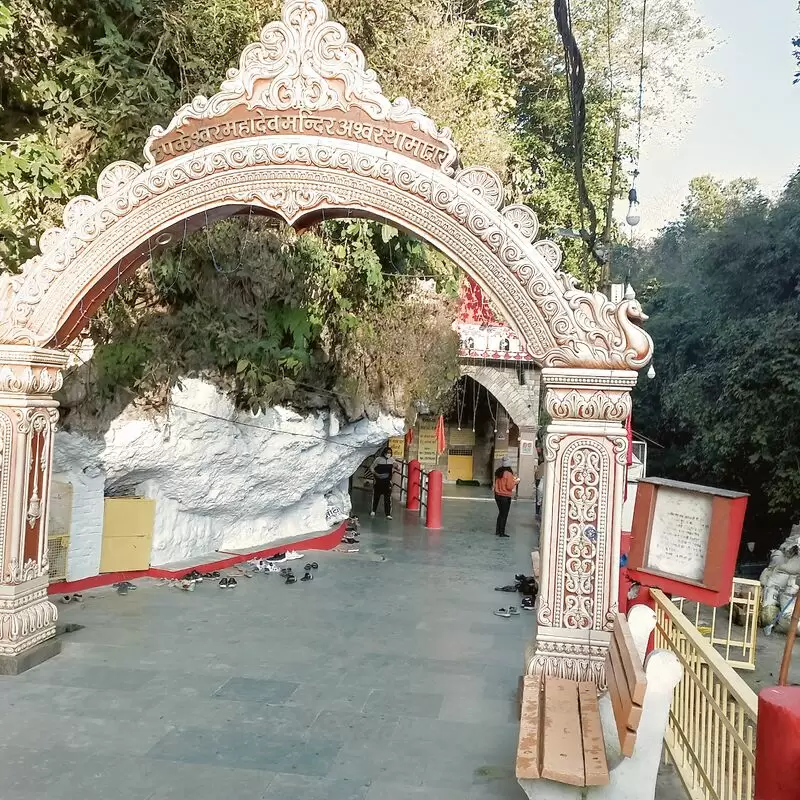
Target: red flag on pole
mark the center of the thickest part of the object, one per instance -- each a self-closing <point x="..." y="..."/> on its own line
<point x="441" y="443"/>
<point x="409" y="437"/>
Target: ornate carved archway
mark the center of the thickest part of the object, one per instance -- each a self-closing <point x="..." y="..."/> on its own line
<point x="300" y="130"/>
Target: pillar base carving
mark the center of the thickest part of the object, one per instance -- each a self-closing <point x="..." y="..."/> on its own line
<point x="570" y="654"/>
<point x="27" y="617"/>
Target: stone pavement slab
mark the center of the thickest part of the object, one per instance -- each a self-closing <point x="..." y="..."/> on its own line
<point x="387" y="676"/>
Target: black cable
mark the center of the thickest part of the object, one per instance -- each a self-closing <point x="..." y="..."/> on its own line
<point x="641" y="85"/>
<point x="263" y="427"/>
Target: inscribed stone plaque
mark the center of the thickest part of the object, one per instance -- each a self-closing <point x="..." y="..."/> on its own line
<point x="679" y="534"/>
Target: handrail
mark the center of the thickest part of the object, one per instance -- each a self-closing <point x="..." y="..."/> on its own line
<point x="712" y="721"/>
<point x="423" y="490"/>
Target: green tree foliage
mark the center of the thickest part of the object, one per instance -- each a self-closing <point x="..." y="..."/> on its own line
<point x="82" y="81"/>
<point x="722" y="288"/>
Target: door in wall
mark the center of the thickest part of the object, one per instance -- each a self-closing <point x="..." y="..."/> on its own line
<point x="127" y="534"/>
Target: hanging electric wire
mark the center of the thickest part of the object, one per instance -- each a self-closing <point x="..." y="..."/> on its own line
<point x="633" y="217"/>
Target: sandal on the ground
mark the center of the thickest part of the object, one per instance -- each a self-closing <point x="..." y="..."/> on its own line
<point x="505" y="588"/>
<point x="502" y="612"/>
<point x="291" y="579"/>
<point x="307" y="577"/>
<point x="513" y="610"/>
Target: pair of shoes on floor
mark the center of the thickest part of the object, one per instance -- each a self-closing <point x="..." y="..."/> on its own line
<point x="123" y="587"/>
<point x="228" y="583"/>
<point x="288" y="555"/>
<point x="72" y="598"/>
<point x="311" y="565"/>
<point x="528" y="604"/>
<point x="511" y="611"/>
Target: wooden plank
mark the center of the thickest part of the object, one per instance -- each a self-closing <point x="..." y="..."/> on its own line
<point x="529" y="748"/>
<point x="594" y="746"/>
<point x="627" y="737"/>
<point x="562" y="756"/>
<point x="632" y="713"/>
<point x="634" y="672"/>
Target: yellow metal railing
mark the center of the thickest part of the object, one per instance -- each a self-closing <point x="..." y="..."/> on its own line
<point x="712" y="723"/>
<point x="733" y="634"/>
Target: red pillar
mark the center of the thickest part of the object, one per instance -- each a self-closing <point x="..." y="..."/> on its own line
<point x="433" y="517"/>
<point x="778" y="744"/>
<point x="414" y="475"/>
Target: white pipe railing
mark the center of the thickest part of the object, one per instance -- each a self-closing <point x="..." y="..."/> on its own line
<point x="712" y="722"/>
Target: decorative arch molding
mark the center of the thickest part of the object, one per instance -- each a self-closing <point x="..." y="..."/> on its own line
<point x="302" y="131"/>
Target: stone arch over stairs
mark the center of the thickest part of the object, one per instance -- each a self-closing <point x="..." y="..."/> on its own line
<point x="302" y="131"/>
<point x="519" y="398"/>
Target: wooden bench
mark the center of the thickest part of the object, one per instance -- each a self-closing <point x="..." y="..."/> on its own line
<point x="573" y="744"/>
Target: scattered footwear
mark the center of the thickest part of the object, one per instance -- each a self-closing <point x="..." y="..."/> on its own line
<point x="307" y="577"/>
<point x="312" y="565"/>
<point x="210" y="575"/>
<point x="502" y="612"/>
<point x="223" y="583"/>
<point x="232" y="582"/>
<point x="277" y="558"/>
<point x="349" y="540"/>
<point x="513" y="610"/>
<point x="291" y="579"/>
<point x="286" y="571"/>
<point x="293" y="555"/>
<point x="124" y="585"/>
<point x="187" y="585"/>
<point x="505" y="588"/>
<point x="528" y="604"/>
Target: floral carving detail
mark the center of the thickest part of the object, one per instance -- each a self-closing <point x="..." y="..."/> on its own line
<point x="483" y="183"/>
<point x="550" y="252"/>
<point x="26" y="380"/>
<point x="115" y="176"/>
<point x="599" y="405"/>
<point x="582" y="538"/>
<point x="306" y="62"/>
<point x="524" y="221"/>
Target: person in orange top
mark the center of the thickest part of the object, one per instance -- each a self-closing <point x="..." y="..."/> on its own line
<point x="504" y="484"/>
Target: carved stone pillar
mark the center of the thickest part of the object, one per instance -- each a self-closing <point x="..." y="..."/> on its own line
<point x="585" y="451"/>
<point x="28" y="413"/>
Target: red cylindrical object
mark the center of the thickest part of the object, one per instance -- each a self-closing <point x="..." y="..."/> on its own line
<point x="433" y="517"/>
<point x="778" y="744"/>
<point x="414" y="476"/>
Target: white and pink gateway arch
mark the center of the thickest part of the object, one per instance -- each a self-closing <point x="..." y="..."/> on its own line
<point x="300" y="130"/>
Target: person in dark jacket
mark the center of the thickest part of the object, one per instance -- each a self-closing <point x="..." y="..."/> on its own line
<point x="382" y="468"/>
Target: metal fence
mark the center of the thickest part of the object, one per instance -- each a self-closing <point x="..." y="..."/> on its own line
<point x="712" y="722"/>
<point x="733" y="634"/>
<point x="423" y="492"/>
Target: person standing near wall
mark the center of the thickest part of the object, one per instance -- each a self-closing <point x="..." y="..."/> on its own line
<point x="382" y="469"/>
<point x="505" y="482"/>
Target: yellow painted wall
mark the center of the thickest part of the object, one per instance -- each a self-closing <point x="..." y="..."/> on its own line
<point x="127" y="534"/>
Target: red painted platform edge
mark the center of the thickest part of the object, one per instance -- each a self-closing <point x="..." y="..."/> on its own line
<point x="325" y="542"/>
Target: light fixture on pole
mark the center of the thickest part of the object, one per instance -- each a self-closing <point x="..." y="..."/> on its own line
<point x="633" y="217"/>
<point x="651" y="372"/>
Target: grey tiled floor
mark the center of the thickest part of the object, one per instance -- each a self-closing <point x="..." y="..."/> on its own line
<point x="380" y="680"/>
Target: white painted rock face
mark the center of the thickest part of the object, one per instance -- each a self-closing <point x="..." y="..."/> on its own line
<point x="225" y="479"/>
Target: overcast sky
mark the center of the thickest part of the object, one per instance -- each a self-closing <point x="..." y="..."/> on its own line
<point x="746" y="123"/>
